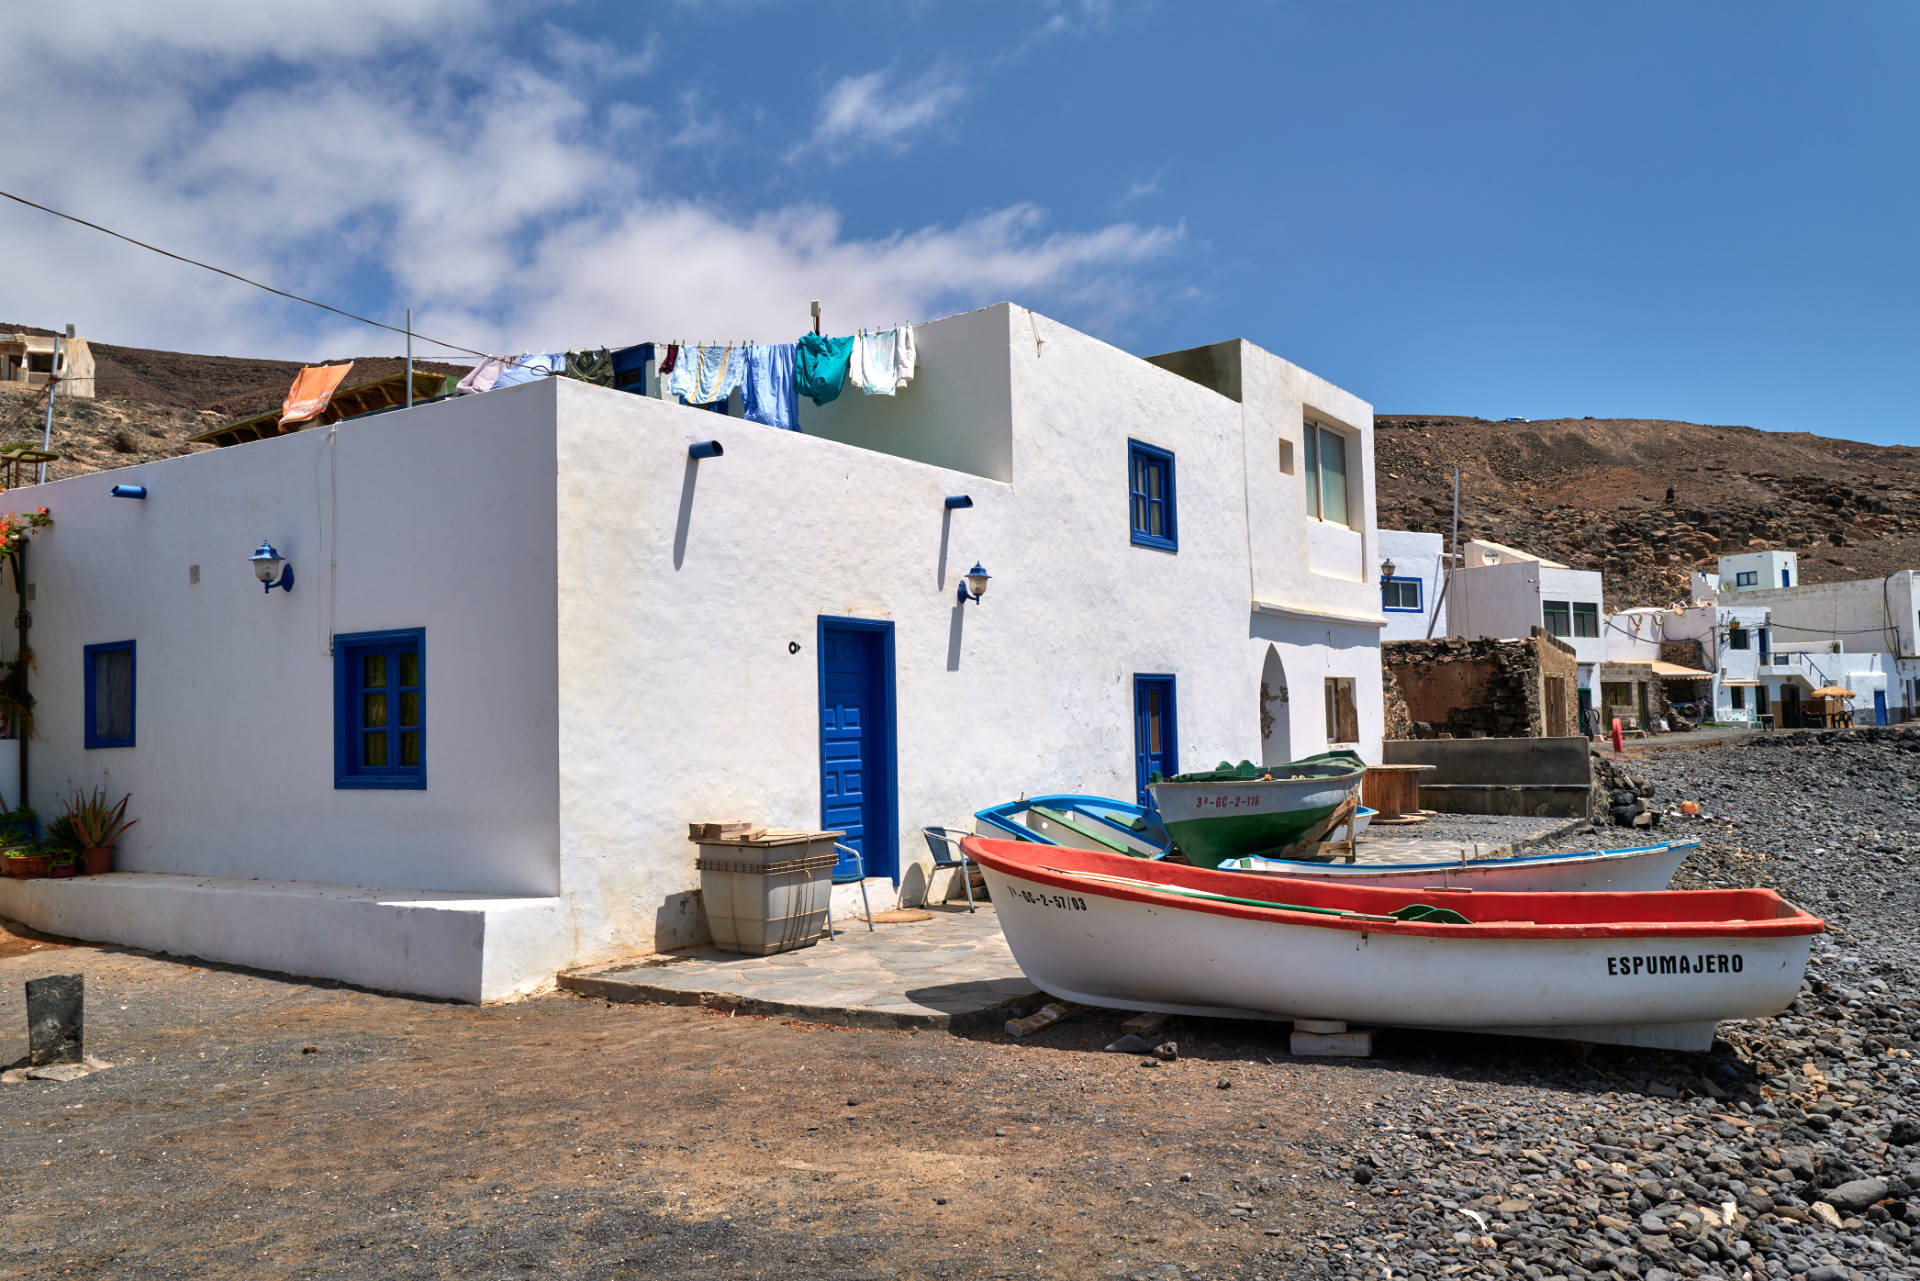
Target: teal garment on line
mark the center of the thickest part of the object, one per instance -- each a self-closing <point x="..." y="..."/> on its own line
<point x="820" y="366"/>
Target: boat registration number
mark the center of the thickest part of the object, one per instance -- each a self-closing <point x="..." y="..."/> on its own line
<point x="1066" y="902"/>
<point x="1227" y="802"/>
<point x="1697" y="963"/>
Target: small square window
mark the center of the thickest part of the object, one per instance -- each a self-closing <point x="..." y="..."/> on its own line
<point x="1400" y="595"/>
<point x="1747" y="578"/>
<point x="380" y="724"/>
<point x="110" y="694"/>
<point x="1150" y="496"/>
<point x="1737" y="637"/>
<point x="1586" y="619"/>
<point x="1558" y="616"/>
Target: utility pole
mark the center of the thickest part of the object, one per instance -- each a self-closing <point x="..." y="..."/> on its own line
<point x="53" y="384"/>
<point x="1453" y="558"/>
<point x="409" y="358"/>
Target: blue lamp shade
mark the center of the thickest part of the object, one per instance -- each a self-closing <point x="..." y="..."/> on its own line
<point x="271" y="568"/>
<point x="974" y="585"/>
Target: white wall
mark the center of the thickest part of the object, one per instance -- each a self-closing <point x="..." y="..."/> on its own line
<point x="1577" y="586"/>
<point x="1501" y="601"/>
<point x="1421" y="556"/>
<point x="442" y="519"/>
<point x="1862" y="614"/>
<point x="1632" y="636"/>
<point x="1765" y="566"/>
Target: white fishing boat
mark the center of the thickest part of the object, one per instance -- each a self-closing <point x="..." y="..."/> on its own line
<point x="1652" y="969"/>
<point x="1646" y="867"/>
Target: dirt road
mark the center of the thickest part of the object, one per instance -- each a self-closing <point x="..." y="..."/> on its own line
<point x="258" y="1126"/>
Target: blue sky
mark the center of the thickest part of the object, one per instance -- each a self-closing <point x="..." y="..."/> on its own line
<point x="1698" y="211"/>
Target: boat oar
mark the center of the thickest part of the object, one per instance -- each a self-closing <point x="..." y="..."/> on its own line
<point x="1413" y="912"/>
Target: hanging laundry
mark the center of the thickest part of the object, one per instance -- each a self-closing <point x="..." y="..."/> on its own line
<point x="820" y="366"/>
<point x="873" y="368"/>
<point x="595" y="366"/>
<point x="769" y="395"/>
<point x="703" y="375"/>
<point x="482" y="376"/>
<point x="904" y="358"/>
<point x="667" y="361"/>
<point x="531" y="365"/>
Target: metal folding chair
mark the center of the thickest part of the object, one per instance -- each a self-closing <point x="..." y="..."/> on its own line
<point x="859" y="873"/>
<point x="944" y="844"/>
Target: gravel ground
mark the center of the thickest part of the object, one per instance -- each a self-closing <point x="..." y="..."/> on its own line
<point x="1789" y="1151"/>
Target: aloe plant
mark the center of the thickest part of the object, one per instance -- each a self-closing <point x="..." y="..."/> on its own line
<point x="95" y="823"/>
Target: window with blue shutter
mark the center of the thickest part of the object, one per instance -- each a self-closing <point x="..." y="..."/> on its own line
<point x="380" y="710"/>
<point x="1150" y="496"/>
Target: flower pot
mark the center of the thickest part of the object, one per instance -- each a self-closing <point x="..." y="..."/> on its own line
<point x="61" y="870"/>
<point x="31" y="867"/>
<point x="97" y="861"/>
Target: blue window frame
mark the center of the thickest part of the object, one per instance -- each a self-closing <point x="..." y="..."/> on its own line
<point x="110" y="694"/>
<point x="1150" y="496"/>
<point x="380" y="709"/>
<point x="1400" y="595"/>
<point x="1746" y="578"/>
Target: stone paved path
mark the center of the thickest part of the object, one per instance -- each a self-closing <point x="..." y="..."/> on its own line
<point x="951" y="971"/>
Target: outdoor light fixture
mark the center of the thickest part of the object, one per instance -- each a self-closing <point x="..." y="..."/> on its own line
<point x="958" y="500"/>
<point x="974" y="585"/>
<point x="271" y="568"/>
<point x="1386" y="570"/>
<point x="705" y="449"/>
<point x="128" y="491"/>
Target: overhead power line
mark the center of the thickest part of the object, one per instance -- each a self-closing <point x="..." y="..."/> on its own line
<point x="234" y="275"/>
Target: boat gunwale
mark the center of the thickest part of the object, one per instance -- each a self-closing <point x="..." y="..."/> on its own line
<point x="1798" y="921"/>
<point x="1563" y="859"/>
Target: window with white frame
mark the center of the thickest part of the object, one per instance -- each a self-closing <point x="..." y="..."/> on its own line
<point x="1326" y="473"/>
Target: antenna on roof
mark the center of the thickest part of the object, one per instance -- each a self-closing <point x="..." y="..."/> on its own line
<point x="816" y="315"/>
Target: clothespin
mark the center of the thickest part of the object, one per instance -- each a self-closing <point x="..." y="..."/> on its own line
<point x="816" y="315"/>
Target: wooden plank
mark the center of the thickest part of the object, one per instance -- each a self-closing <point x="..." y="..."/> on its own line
<point x="1344" y="1045"/>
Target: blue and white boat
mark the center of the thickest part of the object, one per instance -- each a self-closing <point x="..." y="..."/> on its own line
<point x="1080" y="822"/>
<point x="1644" y="867"/>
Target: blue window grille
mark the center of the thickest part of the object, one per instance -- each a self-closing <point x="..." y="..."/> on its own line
<point x="1400" y="595"/>
<point x="1150" y="492"/>
<point x="110" y="694"/>
<point x="380" y="710"/>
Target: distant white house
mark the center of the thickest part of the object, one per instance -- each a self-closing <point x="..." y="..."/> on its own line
<point x="1503" y="593"/>
<point x="1759" y="571"/>
<point x="1411" y="595"/>
<point x="532" y="634"/>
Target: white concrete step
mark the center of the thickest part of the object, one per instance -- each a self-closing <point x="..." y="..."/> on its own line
<point x="464" y="947"/>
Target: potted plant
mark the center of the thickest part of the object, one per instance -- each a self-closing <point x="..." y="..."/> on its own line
<point x="63" y="863"/>
<point x="93" y="827"/>
<point x="28" y="862"/>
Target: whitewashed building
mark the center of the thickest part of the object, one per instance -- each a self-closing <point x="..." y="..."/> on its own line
<point x="532" y="634"/>
<point x="1413" y="574"/>
<point x="1502" y="592"/>
<point x="1759" y="571"/>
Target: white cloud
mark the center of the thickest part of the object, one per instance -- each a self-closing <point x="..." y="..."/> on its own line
<point x="601" y="59"/>
<point x="518" y="215"/>
<point x="869" y="110"/>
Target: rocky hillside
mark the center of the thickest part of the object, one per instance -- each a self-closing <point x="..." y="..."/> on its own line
<point x="148" y="403"/>
<point x="1593" y="493"/>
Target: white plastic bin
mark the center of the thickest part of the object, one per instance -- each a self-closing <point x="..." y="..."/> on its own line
<point x="767" y="893"/>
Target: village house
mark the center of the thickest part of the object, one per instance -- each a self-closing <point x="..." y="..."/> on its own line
<point x="1862" y="635"/>
<point x="1413" y="573"/>
<point x="1502" y="593"/>
<point x="528" y="636"/>
<point x="28" y="362"/>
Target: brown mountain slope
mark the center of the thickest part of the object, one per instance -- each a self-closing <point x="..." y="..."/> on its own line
<point x="1592" y="492"/>
<point x="147" y="403"/>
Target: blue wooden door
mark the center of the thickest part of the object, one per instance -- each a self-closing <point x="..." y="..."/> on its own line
<point x="857" y="764"/>
<point x="1153" y="731"/>
<point x="1879" y="707"/>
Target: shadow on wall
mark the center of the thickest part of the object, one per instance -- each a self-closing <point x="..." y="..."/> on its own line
<point x="680" y="921"/>
<point x="685" y="520"/>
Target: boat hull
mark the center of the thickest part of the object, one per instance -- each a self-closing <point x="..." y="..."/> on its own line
<point x="1213" y="821"/>
<point x="1668" y="989"/>
<point x="1599" y="871"/>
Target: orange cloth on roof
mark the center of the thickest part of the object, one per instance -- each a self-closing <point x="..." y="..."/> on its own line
<point x="312" y="388"/>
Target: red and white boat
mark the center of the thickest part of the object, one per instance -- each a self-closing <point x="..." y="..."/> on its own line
<point x="1653" y="969"/>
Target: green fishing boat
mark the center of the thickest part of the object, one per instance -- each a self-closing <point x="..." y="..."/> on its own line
<point x="1236" y="810"/>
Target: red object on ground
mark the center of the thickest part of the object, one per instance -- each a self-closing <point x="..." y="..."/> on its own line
<point x="1619" y="739"/>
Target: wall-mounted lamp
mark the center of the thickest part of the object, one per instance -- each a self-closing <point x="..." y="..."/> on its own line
<point x="974" y="585"/>
<point x="958" y="500"/>
<point x="271" y="568"/>
<point x="1386" y="570"/>
<point x="705" y="449"/>
<point x="128" y="491"/>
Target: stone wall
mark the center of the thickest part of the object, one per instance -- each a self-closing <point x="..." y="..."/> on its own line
<point x="1482" y="688"/>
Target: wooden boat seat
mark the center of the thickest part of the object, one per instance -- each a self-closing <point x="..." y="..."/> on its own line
<point x="1081" y="829"/>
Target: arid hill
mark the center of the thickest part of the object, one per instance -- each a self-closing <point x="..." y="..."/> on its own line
<point x="1592" y="492"/>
